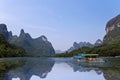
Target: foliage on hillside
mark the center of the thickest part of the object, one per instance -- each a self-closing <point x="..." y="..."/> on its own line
<point x="112" y="35"/>
<point x="34" y="47"/>
<point x="75" y="52"/>
<point x="5" y="66"/>
<point x="106" y="50"/>
<point x="8" y="50"/>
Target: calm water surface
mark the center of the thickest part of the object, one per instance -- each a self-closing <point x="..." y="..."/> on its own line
<point x="57" y="69"/>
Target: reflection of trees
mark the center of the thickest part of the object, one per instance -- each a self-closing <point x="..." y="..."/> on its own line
<point x="110" y="69"/>
<point x="111" y="73"/>
<point x="25" y="68"/>
<point x="83" y="67"/>
<point x="5" y="66"/>
<point x="33" y="66"/>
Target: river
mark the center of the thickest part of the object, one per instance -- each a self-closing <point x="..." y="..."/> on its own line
<point x="58" y="69"/>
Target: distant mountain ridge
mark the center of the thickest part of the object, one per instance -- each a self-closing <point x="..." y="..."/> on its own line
<point x="79" y="45"/>
<point x="34" y="47"/>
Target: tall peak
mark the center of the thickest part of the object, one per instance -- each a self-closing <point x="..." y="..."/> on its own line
<point x="3" y="27"/>
<point x="4" y="31"/>
<point x="22" y="31"/>
<point x="24" y="35"/>
<point x="113" y="23"/>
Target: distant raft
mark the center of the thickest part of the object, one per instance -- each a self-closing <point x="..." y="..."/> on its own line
<point x="82" y="57"/>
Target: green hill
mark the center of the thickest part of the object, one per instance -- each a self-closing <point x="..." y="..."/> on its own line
<point x="34" y="47"/>
<point x="8" y="50"/>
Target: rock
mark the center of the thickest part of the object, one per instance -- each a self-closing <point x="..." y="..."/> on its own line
<point x="10" y="35"/>
<point x="98" y="42"/>
<point x="112" y="30"/>
<point x="43" y="38"/>
<point x="24" y="35"/>
<point x="4" y="32"/>
<point x="76" y="45"/>
<point x="112" y="24"/>
<point x="34" y="47"/>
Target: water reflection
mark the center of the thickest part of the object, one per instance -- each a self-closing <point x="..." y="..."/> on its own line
<point x="57" y="69"/>
<point x="6" y="65"/>
<point x="15" y="78"/>
<point x="82" y="68"/>
<point x="111" y="73"/>
<point x="32" y="66"/>
<point x="110" y="69"/>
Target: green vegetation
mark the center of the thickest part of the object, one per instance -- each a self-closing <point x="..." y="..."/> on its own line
<point x="111" y="35"/>
<point x="8" y="50"/>
<point x="111" y="73"/>
<point x="73" y="53"/>
<point x="8" y="65"/>
<point x="110" y="50"/>
<point x="110" y="47"/>
<point x="38" y="47"/>
<point x="91" y="55"/>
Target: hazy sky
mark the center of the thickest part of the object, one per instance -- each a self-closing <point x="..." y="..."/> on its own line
<point x="61" y="21"/>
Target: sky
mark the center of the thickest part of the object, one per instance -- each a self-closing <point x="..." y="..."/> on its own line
<point x="63" y="22"/>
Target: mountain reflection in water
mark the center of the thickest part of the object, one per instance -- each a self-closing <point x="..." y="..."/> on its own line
<point x="57" y="69"/>
<point x="32" y="66"/>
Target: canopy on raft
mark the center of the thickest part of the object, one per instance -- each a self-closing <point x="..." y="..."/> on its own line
<point x="87" y="55"/>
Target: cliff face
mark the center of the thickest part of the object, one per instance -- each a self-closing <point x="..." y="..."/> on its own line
<point x="112" y="29"/>
<point x="34" y="47"/>
<point x="4" y="31"/>
<point x="113" y="23"/>
<point x="98" y="42"/>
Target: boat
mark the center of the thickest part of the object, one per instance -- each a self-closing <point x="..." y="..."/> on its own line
<point x="82" y="57"/>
